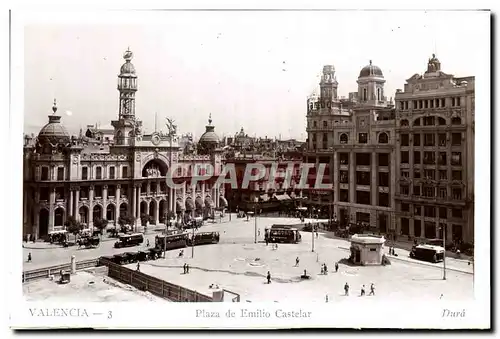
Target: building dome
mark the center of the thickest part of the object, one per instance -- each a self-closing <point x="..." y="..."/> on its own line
<point x="54" y="132"/>
<point x="370" y="71"/>
<point x="209" y="137"/>
<point x="127" y="67"/>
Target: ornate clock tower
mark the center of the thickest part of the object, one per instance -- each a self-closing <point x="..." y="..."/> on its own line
<point x="126" y="127"/>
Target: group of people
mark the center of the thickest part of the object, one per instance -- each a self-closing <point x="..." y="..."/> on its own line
<point x="363" y="290"/>
<point x="186" y="268"/>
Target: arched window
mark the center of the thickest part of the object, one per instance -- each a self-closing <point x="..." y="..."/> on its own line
<point x="365" y="95"/>
<point x="383" y="138"/>
<point x="404" y="122"/>
<point x="314" y="124"/>
<point x="379" y="97"/>
<point x="456" y="121"/>
<point x="343" y="138"/>
<point x="416" y="122"/>
<point x="325" y="124"/>
<point x="441" y="121"/>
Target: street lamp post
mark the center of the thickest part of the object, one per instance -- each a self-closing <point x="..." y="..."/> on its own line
<point x="255" y="217"/>
<point x="312" y="230"/>
<point x="444" y="252"/>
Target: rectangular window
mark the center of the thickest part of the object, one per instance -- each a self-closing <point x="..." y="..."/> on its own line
<point x="405" y="174"/>
<point x="416" y="157"/>
<point x="383" y="159"/>
<point x="85" y="173"/>
<point x="416" y="190"/>
<point x="456" y="213"/>
<point x="344" y="177"/>
<point x="344" y="195"/>
<point x="456" y="175"/>
<point x="443" y="175"/>
<point x="405" y="207"/>
<point x="416" y="140"/>
<point x="443" y="103"/>
<point x="363" y="138"/>
<point x="363" y="197"/>
<point x="429" y="174"/>
<point x="112" y="172"/>
<point x="457" y="193"/>
<point x="456" y="159"/>
<point x="428" y="192"/>
<point x="344" y="158"/>
<point x="98" y="172"/>
<point x="428" y="139"/>
<point x="383" y="179"/>
<point x="404" y="157"/>
<point x="363" y="159"/>
<point x="417" y="210"/>
<point x="362" y="178"/>
<point x="405" y="139"/>
<point x="442" y="158"/>
<point x="456" y="139"/>
<point x="124" y="172"/>
<point x="416" y="173"/>
<point x="442" y="139"/>
<point x="429" y="158"/>
<point x="430" y="211"/>
<point x="45" y="173"/>
<point x="443" y="213"/>
<point x="404" y="190"/>
<point x="405" y="226"/>
<point x="383" y="199"/>
<point x="443" y="193"/>
<point x="60" y="173"/>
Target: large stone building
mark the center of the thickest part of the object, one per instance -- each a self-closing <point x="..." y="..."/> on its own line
<point x="435" y="150"/>
<point x="355" y="139"/>
<point x="88" y="179"/>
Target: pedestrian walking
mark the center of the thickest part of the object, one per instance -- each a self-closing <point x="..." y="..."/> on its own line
<point x="268" y="277"/>
<point x="297" y="261"/>
<point x="267" y="241"/>
<point x="336" y="267"/>
<point x="29" y="257"/>
<point x="187" y="268"/>
<point x="326" y="298"/>
<point x="258" y="233"/>
<point x="346" y="289"/>
<point x="372" y="289"/>
<point x="138" y="267"/>
<point x="147" y="242"/>
<point x="363" y="290"/>
<point x="322" y="269"/>
<point x="325" y="268"/>
<point x="185" y="271"/>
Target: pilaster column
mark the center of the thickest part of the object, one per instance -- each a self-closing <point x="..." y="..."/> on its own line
<point x="117" y="205"/>
<point x="70" y="207"/>
<point x="77" y="199"/>
<point x="157" y="211"/>
<point x="138" y="202"/>
<point x="374" y="183"/>
<point x="148" y="189"/>
<point x="52" y="201"/>
<point x="91" y="205"/>
<point x="104" y="200"/>
<point x="448" y="233"/>
<point x="336" y="185"/>
<point x="193" y="196"/>
<point x="133" y="201"/>
<point x="352" y="177"/>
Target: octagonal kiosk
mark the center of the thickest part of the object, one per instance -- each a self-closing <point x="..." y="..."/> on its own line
<point x="366" y="249"/>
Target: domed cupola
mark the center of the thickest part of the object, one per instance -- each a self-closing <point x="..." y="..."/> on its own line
<point x="371" y="71"/>
<point x="54" y="133"/>
<point x="127" y="68"/>
<point x="209" y="140"/>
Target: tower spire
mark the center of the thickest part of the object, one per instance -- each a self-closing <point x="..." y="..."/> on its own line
<point x="54" y="108"/>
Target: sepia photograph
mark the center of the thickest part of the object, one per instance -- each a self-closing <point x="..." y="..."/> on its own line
<point x="259" y="169"/>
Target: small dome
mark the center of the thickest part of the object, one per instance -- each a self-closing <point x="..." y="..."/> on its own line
<point x="127" y="67"/>
<point x="54" y="132"/>
<point x="209" y="137"/>
<point x="370" y="71"/>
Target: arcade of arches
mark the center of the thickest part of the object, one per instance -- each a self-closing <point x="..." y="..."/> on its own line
<point x="146" y="195"/>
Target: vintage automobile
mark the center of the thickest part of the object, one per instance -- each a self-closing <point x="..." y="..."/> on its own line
<point x="58" y="237"/>
<point x="119" y="259"/>
<point x="154" y="253"/>
<point x="142" y="256"/>
<point x="104" y="259"/>
<point x="130" y="257"/>
<point x="427" y="253"/>
<point x="89" y="242"/>
<point x="129" y="240"/>
<point x="202" y="238"/>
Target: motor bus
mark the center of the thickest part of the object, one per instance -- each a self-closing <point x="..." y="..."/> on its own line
<point x="427" y="253"/>
<point x="288" y="235"/>
<point x="201" y="238"/>
<point x="171" y="241"/>
<point x="129" y="240"/>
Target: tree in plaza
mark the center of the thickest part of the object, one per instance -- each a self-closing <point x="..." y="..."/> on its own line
<point x="100" y="224"/>
<point x="145" y="218"/>
<point x="125" y="220"/>
<point x="73" y="226"/>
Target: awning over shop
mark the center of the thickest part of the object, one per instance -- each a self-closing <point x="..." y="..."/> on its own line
<point x="209" y="202"/>
<point x="178" y="206"/>
<point x="189" y="204"/>
<point x="264" y="197"/>
<point x="222" y="201"/>
<point x="282" y="197"/>
<point x="199" y="203"/>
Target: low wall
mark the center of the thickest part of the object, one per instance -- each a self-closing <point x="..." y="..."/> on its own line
<point x="158" y="287"/>
<point x="47" y="271"/>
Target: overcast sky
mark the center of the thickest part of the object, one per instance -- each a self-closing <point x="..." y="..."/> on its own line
<point x="249" y="69"/>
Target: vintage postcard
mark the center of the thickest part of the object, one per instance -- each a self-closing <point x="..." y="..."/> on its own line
<point x="259" y="169"/>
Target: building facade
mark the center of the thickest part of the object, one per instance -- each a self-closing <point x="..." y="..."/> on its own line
<point x="354" y="138"/>
<point x="89" y="179"/>
<point x="435" y="150"/>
